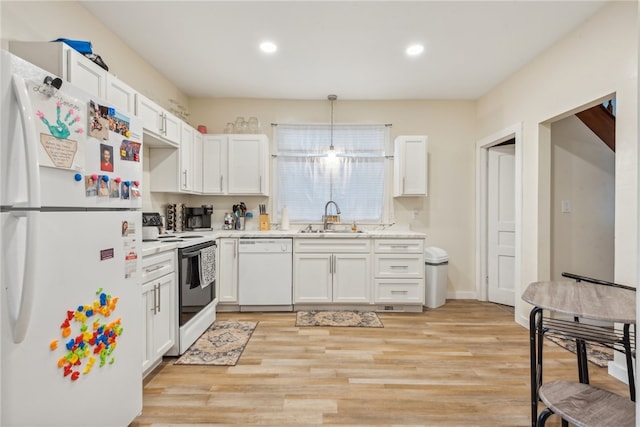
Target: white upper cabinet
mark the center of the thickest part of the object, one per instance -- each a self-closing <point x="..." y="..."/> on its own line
<point x="235" y="164"/>
<point x="121" y="95"/>
<point x="161" y="127"/>
<point x="214" y="164"/>
<point x="248" y="164"/>
<point x="410" y="166"/>
<point x="178" y="171"/>
<point x="190" y="160"/>
<point x="63" y="61"/>
<point x="197" y="164"/>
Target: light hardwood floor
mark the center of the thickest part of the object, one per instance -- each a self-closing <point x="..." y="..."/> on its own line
<point x="463" y="364"/>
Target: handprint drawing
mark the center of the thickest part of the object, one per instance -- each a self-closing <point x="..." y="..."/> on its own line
<point x="61" y="129"/>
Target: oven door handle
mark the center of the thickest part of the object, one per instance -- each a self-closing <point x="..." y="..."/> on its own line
<point x="190" y="254"/>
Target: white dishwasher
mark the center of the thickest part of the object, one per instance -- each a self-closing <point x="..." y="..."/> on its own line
<point x="265" y="274"/>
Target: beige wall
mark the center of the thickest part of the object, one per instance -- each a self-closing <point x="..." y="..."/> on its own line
<point x="50" y="20"/>
<point x="583" y="173"/>
<point x="597" y="60"/>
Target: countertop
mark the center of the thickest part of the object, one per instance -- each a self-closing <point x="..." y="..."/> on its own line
<point x="150" y="248"/>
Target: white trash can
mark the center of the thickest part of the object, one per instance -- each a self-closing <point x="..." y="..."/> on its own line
<point x="436" y="261"/>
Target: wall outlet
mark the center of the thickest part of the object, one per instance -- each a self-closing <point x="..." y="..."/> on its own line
<point x="414" y="214"/>
<point x="565" y="206"/>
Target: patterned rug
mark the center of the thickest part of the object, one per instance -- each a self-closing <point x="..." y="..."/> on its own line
<point x="222" y="344"/>
<point x="365" y="319"/>
<point x="598" y="355"/>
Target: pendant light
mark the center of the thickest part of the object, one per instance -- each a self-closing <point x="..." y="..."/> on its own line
<point x="332" y="152"/>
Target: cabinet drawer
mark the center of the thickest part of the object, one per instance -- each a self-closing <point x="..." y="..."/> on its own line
<point x="399" y="246"/>
<point x="330" y="245"/>
<point x="398" y="291"/>
<point x="398" y="265"/>
<point x="158" y="265"/>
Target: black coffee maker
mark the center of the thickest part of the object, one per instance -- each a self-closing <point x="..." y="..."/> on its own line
<point x="199" y="218"/>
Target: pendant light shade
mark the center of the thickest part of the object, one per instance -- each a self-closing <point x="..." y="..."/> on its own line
<point x="332" y="152"/>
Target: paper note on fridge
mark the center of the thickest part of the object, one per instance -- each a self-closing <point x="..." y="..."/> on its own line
<point x="60" y="122"/>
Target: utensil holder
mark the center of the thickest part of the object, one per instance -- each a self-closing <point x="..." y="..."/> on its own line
<point x="264" y="222"/>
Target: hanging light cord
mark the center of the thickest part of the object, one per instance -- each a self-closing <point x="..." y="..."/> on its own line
<point x="332" y="98"/>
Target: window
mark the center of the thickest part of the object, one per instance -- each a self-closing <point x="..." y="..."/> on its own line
<point x="306" y="178"/>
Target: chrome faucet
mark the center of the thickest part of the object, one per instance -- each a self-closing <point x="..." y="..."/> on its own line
<point x="326" y="207"/>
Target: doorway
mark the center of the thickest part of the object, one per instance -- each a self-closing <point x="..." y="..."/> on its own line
<point x="582" y="205"/>
<point x="498" y="248"/>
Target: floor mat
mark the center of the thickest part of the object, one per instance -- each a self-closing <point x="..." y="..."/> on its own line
<point x="222" y="344"/>
<point x="365" y="319"/>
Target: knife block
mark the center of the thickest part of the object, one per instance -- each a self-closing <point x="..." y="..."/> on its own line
<point x="264" y="223"/>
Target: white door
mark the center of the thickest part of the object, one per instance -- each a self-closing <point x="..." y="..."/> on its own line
<point x="501" y="225"/>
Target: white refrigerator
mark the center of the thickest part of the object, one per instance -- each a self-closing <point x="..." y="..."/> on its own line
<point x="71" y="305"/>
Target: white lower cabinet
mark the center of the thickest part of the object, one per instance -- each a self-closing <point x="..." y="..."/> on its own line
<point x="399" y="271"/>
<point x="332" y="271"/>
<point x="159" y="300"/>
<point x="227" y="272"/>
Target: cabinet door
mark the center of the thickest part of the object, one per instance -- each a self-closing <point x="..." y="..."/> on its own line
<point x="120" y="95"/>
<point x="85" y="74"/>
<point x="186" y="159"/>
<point x="410" y="166"/>
<point x="228" y="270"/>
<point x="148" y="304"/>
<point x="165" y="319"/>
<point x="214" y="164"/>
<point x="248" y="164"/>
<point x="312" y="279"/>
<point x="164" y="127"/>
<point x="171" y="126"/>
<point x="150" y="114"/>
<point x="352" y="278"/>
<point x="197" y="162"/>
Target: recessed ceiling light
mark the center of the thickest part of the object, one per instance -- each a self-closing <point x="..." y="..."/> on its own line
<point x="268" y="47"/>
<point x="415" y="50"/>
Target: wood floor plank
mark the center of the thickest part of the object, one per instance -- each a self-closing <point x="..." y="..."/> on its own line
<point x="463" y="364"/>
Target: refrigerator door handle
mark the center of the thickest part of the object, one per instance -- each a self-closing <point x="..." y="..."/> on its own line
<point x="20" y="315"/>
<point x="30" y="143"/>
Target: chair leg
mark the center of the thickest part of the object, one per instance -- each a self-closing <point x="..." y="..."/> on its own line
<point x="542" y="419"/>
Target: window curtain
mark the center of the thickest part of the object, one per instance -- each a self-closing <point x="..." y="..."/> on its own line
<point x="307" y="178"/>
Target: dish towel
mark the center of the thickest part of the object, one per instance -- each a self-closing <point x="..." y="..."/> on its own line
<point x="207" y="266"/>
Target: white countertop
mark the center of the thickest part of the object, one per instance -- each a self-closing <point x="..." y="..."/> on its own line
<point x="149" y="248"/>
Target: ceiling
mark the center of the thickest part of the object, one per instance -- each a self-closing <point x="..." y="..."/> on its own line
<point x="355" y="49"/>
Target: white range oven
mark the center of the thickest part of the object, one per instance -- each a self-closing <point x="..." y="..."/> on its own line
<point x="196" y="272"/>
